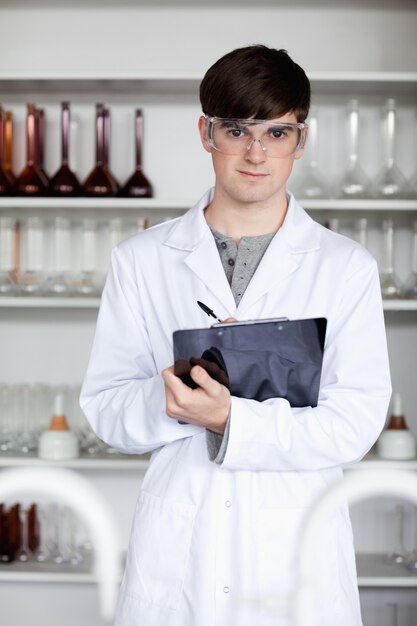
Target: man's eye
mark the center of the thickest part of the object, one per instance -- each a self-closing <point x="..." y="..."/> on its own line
<point x="277" y="133"/>
<point x="235" y="132"/>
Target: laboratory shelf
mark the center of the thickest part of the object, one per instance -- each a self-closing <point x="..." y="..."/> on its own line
<point x="373" y="571"/>
<point x="23" y="302"/>
<point x="158" y="204"/>
<point x="83" y="204"/>
<point x="372" y="462"/>
<point x="113" y="461"/>
<point x="118" y="461"/>
<point x="32" y="572"/>
<point x="157" y="82"/>
<point x="26" y="302"/>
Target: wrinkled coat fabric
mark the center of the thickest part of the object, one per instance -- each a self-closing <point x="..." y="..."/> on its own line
<point x="215" y="545"/>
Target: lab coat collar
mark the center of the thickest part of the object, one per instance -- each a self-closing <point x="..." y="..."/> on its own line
<point x="299" y="234"/>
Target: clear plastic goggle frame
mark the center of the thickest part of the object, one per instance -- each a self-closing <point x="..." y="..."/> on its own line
<point x="234" y="136"/>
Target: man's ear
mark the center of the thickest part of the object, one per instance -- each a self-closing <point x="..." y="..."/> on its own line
<point x="202" y="130"/>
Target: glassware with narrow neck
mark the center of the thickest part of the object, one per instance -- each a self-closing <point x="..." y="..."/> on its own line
<point x="390" y="183"/>
<point x="311" y="184"/>
<point x="410" y="287"/>
<point x="398" y="554"/>
<point x="6" y="180"/>
<point x="138" y="185"/>
<point x="354" y="183"/>
<point x="65" y="182"/>
<point x="411" y="560"/>
<point x="40" y="122"/>
<point x="390" y="284"/>
<point x="59" y="279"/>
<point x="106" y="146"/>
<point x="8" y="145"/>
<point x="24" y="553"/>
<point x="7" y="255"/>
<point x="31" y="277"/>
<point x="100" y="182"/>
<point x="362" y="231"/>
<point x="86" y="282"/>
<point x="31" y="181"/>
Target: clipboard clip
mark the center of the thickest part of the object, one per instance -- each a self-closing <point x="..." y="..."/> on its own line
<point x="249" y="322"/>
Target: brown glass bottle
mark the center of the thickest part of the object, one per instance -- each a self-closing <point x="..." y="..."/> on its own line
<point x="8" y="145"/>
<point x="31" y="181"/>
<point x="137" y="186"/>
<point x="33" y="528"/>
<point x="64" y="182"/>
<point x="40" y="123"/>
<point x="6" y="181"/>
<point x="106" y="146"/>
<point x="100" y="182"/>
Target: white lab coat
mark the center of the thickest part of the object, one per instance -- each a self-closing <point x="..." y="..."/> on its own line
<point x="215" y="545"/>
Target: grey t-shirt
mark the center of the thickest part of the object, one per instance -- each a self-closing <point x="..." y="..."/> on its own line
<point x="239" y="263"/>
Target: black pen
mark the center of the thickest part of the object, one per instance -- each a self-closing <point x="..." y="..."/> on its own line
<point x="206" y="309"/>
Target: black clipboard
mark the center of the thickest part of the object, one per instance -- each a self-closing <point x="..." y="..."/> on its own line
<point x="261" y="359"/>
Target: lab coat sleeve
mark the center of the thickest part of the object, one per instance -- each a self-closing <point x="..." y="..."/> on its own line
<point x="123" y="394"/>
<point x="353" y="399"/>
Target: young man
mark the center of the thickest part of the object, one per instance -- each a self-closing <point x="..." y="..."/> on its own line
<point x="214" y="538"/>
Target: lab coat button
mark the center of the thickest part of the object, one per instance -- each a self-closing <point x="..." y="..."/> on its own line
<point x="225" y="589"/>
<point x="227" y="503"/>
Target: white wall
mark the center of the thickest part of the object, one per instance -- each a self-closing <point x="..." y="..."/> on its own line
<point x="187" y="39"/>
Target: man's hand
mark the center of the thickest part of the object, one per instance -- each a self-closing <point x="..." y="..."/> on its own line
<point x="206" y="406"/>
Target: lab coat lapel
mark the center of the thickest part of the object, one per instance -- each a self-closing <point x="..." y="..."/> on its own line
<point x="191" y="233"/>
<point x="205" y="261"/>
<point x="298" y="235"/>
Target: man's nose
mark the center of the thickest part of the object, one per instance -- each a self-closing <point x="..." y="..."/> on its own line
<point x="255" y="151"/>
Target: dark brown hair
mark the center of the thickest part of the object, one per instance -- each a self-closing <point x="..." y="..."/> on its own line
<point x="255" y="81"/>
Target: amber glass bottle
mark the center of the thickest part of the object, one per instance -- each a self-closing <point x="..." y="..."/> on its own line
<point x="6" y="180"/>
<point x="100" y="182"/>
<point x="64" y="182"/>
<point x="138" y="186"/>
<point x="31" y="181"/>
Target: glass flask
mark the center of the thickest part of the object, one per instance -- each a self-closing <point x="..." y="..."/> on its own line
<point x="390" y="285"/>
<point x="362" y="231"/>
<point x="65" y="182"/>
<point x="390" y="183"/>
<point x="31" y="277"/>
<point x="354" y="183"/>
<point x="106" y="145"/>
<point x="100" y="182"/>
<point x="6" y="180"/>
<point x="40" y="123"/>
<point x="398" y="553"/>
<point x="31" y="181"/>
<point x="138" y="186"/>
<point x="7" y="256"/>
<point x="311" y="184"/>
<point x="410" y="287"/>
<point x="333" y="224"/>
<point x="411" y="559"/>
<point x="8" y="145"/>
<point x="24" y="553"/>
<point x="59" y="279"/>
<point x="86" y="282"/>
